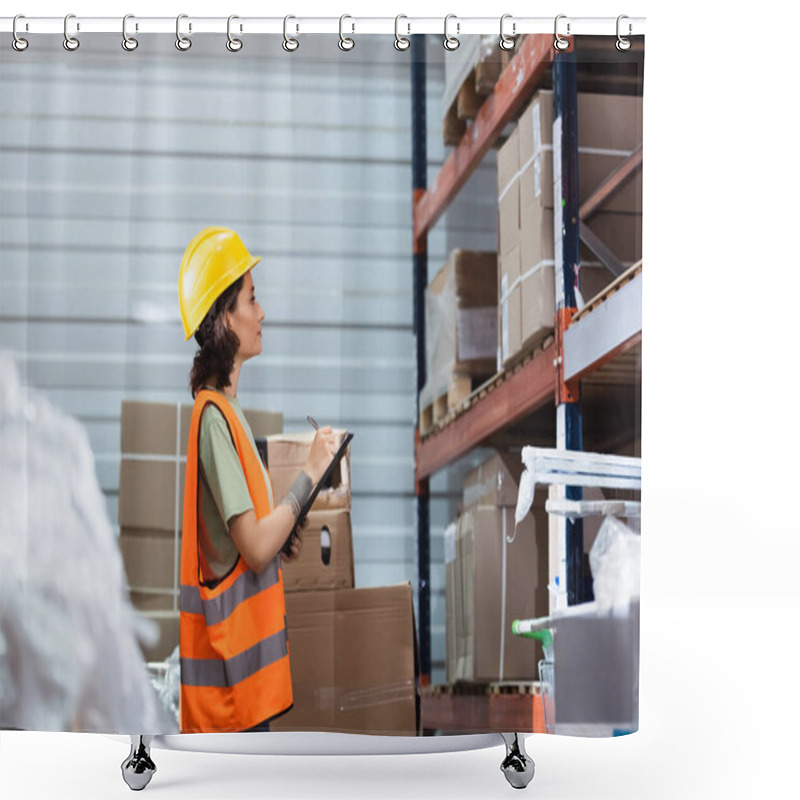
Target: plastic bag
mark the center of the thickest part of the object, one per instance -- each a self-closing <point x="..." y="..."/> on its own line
<point x="615" y="560"/>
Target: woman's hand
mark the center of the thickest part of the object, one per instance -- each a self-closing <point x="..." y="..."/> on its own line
<point x="296" y="545"/>
<point x="323" y="449"/>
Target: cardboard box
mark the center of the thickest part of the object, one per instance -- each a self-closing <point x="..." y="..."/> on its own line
<point x="149" y="558"/>
<point x="147" y="601"/>
<point x="323" y="567"/>
<point x="508" y="161"/>
<point x="152" y="428"/>
<point x="537" y="303"/>
<point x="287" y="454"/>
<point x="495" y="482"/>
<point x="487" y="650"/>
<point x="458" y="302"/>
<point x="481" y="646"/>
<point x="622" y="233"/>
<point x="609" y="128"/>
<point x="508" y="219"/>
<point x="508" y="194"/>
<point x="354" y="662"/>
<point x="150" y="491"/>
<point x="151" y="481"/>
<point x="510" y="306"/>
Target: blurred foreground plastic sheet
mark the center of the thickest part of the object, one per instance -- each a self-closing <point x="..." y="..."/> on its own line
<point x="69" y="659"/>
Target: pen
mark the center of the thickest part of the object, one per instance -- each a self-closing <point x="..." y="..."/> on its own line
<point x="313" y="423"/>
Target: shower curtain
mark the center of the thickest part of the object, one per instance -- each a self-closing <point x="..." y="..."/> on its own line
<point x="398" y="623"/>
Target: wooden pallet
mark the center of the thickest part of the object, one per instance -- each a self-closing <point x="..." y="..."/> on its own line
<point x="478" y="84"/>
<point x="429" y="425"/>
<point x="459" y="389"/>
<point x="482" y="688"/>
<point x="465" y="707"/>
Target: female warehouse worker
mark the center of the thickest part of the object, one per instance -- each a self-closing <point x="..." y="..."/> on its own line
<point x="233" y="646"/>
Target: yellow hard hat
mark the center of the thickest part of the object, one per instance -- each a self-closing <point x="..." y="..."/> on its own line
<point x="214" y="259"/>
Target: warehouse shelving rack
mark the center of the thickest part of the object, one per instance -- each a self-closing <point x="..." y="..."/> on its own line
<point x="584" y="341"/>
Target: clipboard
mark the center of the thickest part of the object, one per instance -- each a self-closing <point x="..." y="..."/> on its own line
<point x="323" y="481"/>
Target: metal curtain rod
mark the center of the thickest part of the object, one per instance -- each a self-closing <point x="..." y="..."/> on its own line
<point x="455" y="26"/>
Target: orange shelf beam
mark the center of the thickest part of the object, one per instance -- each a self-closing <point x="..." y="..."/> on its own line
<point x="512" y="90"/>
<point x="518" y="396"/>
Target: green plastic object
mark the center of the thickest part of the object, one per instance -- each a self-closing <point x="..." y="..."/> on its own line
<point x="544" y="636"/>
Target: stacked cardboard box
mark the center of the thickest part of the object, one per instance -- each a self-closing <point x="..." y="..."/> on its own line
<point x="153" y="444"/>
<point x="609" y="129"/>
<point x="326" y="558"/>
<point x="352" y="651"/>
<point x="354" y="661"/>
<point x="495" y="573"/>
<point x="460" y="322"/>
<point x="287" y="454"/>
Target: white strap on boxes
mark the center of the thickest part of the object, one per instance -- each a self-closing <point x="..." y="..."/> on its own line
<point x="539" y="149"/>
<point x="507" y="290"/>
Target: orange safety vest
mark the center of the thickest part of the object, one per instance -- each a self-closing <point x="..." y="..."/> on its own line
<point x="233" y="645"/>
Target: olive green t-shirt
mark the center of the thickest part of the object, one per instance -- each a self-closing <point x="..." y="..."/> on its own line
<point x="223" y="491"/>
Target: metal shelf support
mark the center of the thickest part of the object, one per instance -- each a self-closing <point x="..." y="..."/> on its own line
<point x="569" y="427"/>
<point x="605" y="332"/>
<point x="419" y="166"/>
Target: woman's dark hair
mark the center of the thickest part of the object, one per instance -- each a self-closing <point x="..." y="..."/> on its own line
<point x="218" y="343"/>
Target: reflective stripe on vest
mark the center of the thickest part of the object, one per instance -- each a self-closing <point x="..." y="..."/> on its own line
<point x="233" y="643"/>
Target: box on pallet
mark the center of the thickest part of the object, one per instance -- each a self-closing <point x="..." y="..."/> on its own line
<point x="354" y="661"/>
<point x="508" y="189"/>
<point x="326" y="557"/>
<point x="609" y="129"/>
<point x="490" y="581"/>
<point x="287" y="454"/>
<point x="460" y="321"/>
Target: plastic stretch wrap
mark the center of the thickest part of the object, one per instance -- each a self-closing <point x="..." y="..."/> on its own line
<point x="440" y="339"/>
<point x="460" y="321"/>
<point x="615" y="560"/>
<point x="459" y="63"/>
<point x="167" y="684"/>
<point x="69" y="656"/>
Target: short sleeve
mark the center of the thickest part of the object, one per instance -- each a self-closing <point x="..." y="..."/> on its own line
<point x="221" y="465"/>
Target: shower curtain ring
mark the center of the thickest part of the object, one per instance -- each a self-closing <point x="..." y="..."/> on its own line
<point x="345" y="43"/>
<point x="400" y="42"/>
<point x="70" y="42"/>
<point x="623" y="44"/>
<point x="19" y="44"/>
<point x="233" y="44"/>
<point x="451" y="42"/>
<point x="507" y="42"/>
<point x="129" y="43"/>
<point x="560" y="42"/>
<point x="182" y="42"/>
<point x="289" y="44"/>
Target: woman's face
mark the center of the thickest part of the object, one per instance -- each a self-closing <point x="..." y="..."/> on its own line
<point x="245" y="320"/>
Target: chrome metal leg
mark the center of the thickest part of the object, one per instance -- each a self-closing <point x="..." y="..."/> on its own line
<point x="138" y="768"/>
<point x="518" y="766"/>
